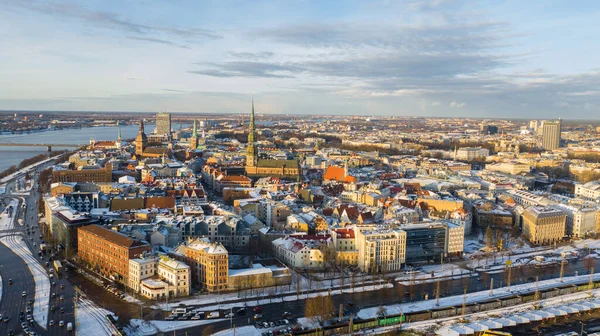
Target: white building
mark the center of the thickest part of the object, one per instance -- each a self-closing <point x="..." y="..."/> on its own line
<point x="177" y="274"/>
<point x="300" y="253"/>
<point x="380" y="250"/>
<point x="581" y="220"/>
<point x="590" y="190"/>
<point x="471" y="153"/>
<point x="140" y="269"/>
<point x="159" y="278"/>
<point x="455" y="239"/>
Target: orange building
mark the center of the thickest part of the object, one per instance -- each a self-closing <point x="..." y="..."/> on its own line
<point x="108" y="252"/>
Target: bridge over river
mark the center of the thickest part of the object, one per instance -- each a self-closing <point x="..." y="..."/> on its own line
<point x="47" y="145"/>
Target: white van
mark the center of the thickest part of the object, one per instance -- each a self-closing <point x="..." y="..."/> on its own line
<point x="69" y="326"/>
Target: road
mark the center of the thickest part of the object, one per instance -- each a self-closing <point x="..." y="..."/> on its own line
<point x="13" y="267"/>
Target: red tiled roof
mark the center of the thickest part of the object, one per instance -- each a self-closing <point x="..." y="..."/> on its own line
<point x="345" y="233"/>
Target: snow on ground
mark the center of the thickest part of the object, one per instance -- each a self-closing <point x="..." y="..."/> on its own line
<point x="42" y="283"/>
<point x="439" y="271"/>
<point x="6" y="223"/>
<point x="243" y="331"/>
<point x="504" y="312"/>
<point x="166" y="326"/>
<point x="262" y="300"/>
<point x="90" y="319"/>
<point x="139" y="327"/>
<point x="308" y="323"/>
<point x="475" y="297"/>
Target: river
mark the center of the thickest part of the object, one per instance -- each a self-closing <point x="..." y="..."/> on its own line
<point x="13" y="155"/>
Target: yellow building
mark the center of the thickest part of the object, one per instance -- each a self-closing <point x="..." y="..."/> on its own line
<point x="543" y="225"/>
<point x="210" y="264"/>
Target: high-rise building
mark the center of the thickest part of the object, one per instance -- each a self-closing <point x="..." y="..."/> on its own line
<point x="163" y="123"/>
<point x="551" y="134"/>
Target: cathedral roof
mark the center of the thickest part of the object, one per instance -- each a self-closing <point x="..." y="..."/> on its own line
<point x="277" y="163"/>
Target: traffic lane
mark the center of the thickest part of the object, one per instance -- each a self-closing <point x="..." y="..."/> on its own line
<point x="12" y="300"/>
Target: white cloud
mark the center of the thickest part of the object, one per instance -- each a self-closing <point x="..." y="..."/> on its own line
<point x="455" y="104"/>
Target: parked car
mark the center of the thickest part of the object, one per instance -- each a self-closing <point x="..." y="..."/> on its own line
<point x="24" y="293"/>
<point x="61" y="323"/>
<point x="51" y="323"/>
<point x="257" y="316"/>
<point x="241" y="311"/>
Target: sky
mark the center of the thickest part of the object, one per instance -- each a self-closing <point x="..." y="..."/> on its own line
<point x="490" y="59"/>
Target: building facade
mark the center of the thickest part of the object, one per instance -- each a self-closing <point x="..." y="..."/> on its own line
<point x="380" y="251"/>
<point x="551" y="133"/>
<point x="108" y="252"/>
<point x="543" y="225"/>
<point x="163" y="123"/>
<point x="209" y="264"/>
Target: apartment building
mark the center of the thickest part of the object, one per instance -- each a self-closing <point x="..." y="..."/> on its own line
<point x="590" y="190"/>
<point x="543" y="225"/>
<point x="305" y="254"/>
<point x="209" y="264"/>
<point x="344" y="242"/>
<point x="140" y="269"/>
<point x="380" y="250"/>
<point x="108" y="252"/>
<point x="582" y="220"/>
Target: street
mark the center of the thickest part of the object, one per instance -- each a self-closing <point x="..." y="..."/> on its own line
<point x="15" y="268"/>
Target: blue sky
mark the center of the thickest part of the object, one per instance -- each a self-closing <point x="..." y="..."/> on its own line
<point x="529" y="59"/>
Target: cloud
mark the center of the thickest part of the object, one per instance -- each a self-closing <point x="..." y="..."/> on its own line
<point x="112" y="21"/>
<point x="155" y="40"/>
<point x="248" y="69"/>
<point x="455" y="104"/>
<point x="251" y="56"/>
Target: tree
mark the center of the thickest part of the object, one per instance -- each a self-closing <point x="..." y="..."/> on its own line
<point x="488" y="238"/>
<point x="319" y="307"/>
<point x="381" y="311"/>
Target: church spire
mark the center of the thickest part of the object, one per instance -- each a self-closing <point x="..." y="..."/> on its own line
<point x="119" y="134"/>
<point x="252" y="130"/>
<point x="141" y="125"/>
<point x="195" y="132"/>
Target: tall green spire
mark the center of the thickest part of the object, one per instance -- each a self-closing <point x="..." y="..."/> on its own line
<point x="251" y="133"/>
<point x="119" y="134"/>
<point x="195" y="132"/>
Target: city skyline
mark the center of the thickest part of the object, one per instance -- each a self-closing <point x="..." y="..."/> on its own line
<point x="416" y="58"/>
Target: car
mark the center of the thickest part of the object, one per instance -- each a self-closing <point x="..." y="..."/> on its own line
<point x="53" y="283"/>
<point x="24" y="293"/>
<point x="62" y="310"/>
<point x="258" y="309"/>
<point x="286" y="314"/>
<point x="10" y="281"/>
<point x="6" y="318"/>
<point x="170" y="318"/>
<point x="51" y="276"/>
<point x="26" y="330"/>
<point x="286" y="321"/>
<point x="62" y="286"/>
<point x="61" y="323"/>
<point x="62" y="297"/>
<point x="11" y="333"/>
<point x="30" y="302"/>
<point x="53" y="295"/>
<point x="47" y="263"/>
<point x="52" y="308"/>
<point x="229" y="315"/>
<point x="23" y="325"/>
<point x="265" y="324"/>
<point x="257" y="316"/>
<point x="28" y="310"/>
<point x="51" y="323"/>
<point x="271" y="324"/>
<point x="50" y="270"/>
<point x="241" y="311"/>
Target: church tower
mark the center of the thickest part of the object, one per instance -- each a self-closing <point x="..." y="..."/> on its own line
<point x="141" y="141"/>
<point x="251" y="150"/>
<point x="194" y="138"/>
